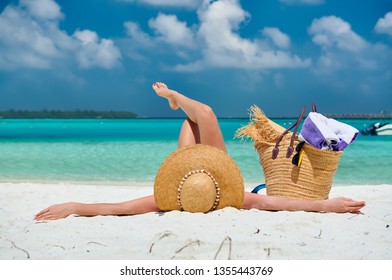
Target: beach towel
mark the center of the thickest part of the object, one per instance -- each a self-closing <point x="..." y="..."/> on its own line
<point x="327" y="134"/>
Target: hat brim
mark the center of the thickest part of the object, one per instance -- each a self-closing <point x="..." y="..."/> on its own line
<point x="195" y="157"/>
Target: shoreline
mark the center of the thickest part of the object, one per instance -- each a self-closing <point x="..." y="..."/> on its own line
<point x="228" y="233"/>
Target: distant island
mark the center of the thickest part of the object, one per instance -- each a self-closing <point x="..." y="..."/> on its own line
<point x="360" y="116"/>
<point x="75" y="114"/>
<point x="92" y="114"/>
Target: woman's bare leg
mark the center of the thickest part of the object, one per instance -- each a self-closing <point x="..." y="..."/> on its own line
<point x="189" y="134"/>
<point x="198" y="113"/>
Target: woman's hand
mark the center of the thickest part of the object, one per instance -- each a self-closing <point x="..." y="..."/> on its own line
<point x="343" y="205"/>
<point x="57" y="211"/>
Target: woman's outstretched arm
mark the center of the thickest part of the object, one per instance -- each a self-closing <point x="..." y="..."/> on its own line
<point x="132" y="207"/>
<point x="147" y="204"/>
<point x="337" y="205"/>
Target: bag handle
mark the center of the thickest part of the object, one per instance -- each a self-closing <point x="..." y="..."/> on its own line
<point x="314" y="108"/>
<point x="296" y="124"/>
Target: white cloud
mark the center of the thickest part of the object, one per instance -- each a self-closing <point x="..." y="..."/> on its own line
<point x="344" y="49"/>
<point x="94" y="51"/>
<point x="303" y="2"/>
<point x="137" y="42"/>
<point x="191" y="4"/>
<point x="137" y="35"/>
<point x="86" y="37"/>
<point x="171" y="30"/>
<point x="384" y="25"/>
<point x="43" y="9"/>
<point x="30" y="37"/>
<point x="172" y="36"/>
<point x="279" y="38"/>
<point x="215" y="38"/>
<point x="224" y="47"/>
<point x="23" y="42"/>
<point x="331" y="31"/>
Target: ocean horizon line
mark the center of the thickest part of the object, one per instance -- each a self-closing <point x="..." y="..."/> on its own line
<point x="121" y="114"/>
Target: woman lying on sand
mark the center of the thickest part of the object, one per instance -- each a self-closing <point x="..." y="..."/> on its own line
<point x="201" y="127"/>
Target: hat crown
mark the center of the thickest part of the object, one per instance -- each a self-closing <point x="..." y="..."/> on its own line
<point x="198" y="192"/>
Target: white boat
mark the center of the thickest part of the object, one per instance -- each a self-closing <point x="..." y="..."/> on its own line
<point x="378" y="129"/>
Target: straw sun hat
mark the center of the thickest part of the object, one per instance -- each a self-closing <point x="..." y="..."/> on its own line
<point x="198" y="178"/>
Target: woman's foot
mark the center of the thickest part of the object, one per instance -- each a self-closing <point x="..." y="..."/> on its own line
<point x="162" y="90"/>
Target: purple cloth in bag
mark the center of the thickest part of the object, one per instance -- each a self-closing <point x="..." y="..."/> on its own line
<point x="323" y="133"/>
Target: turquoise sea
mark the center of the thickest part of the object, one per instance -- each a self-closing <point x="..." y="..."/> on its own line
<point x="128" y="151"/>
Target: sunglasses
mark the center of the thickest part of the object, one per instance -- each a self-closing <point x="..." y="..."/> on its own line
<point x="297" y="158"/>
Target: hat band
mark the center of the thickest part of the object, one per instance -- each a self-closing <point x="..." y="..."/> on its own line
<point x="190" y="173"/>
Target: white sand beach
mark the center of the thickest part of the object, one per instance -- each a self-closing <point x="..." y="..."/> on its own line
<point x="224" y="234"/>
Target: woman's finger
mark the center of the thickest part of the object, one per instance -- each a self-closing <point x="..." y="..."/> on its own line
<point x="43" y="211"/>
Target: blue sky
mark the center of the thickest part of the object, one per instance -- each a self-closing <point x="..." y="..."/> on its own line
<point x="230" y="54"/>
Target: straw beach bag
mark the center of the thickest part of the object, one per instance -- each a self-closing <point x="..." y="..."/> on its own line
<point x="311" y="179"/>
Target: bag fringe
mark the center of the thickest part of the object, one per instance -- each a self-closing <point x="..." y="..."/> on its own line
<point x="260" y="128"/>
